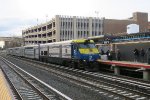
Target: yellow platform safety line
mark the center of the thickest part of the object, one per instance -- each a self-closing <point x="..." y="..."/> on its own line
<point x="5" y="92"/>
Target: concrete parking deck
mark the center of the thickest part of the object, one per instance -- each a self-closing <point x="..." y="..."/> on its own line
<point x="5" y="92"/>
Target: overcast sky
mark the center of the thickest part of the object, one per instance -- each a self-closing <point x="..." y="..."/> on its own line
<point x="16" y="15"/>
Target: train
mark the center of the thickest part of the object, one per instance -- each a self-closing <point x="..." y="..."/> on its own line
<point x="81" y="53"/>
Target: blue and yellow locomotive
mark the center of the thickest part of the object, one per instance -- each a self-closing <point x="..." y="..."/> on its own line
<point x="84" y="54"/>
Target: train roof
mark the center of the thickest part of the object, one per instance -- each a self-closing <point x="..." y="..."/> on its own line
<point x="31" y="45"/>
<point x="62" y="42"/>
<point x="69" y="41"/>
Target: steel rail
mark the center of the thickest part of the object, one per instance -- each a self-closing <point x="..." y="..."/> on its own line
<point x="56" y="92"/>
<point x="14" y="90"/>
<point x="81" y="75"/>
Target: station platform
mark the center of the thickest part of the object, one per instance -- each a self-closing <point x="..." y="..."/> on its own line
<point x="5" y="92"/>
<point x="125" y="64"/>
<point x="117" y="65"/>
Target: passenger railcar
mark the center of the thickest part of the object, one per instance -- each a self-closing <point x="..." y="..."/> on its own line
<point x="31" y="51"/>
<point x="17" y="51"/>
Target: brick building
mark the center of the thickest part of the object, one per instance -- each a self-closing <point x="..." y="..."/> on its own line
<point x="114" y="26"/>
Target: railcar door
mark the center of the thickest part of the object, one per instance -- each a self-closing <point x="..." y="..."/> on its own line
<point x="74" y="51"/>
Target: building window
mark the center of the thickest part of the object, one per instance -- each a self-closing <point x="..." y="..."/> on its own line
<point x="39" y="29"/>
<point x="54" y="40"/>
<point x="53" y="24"/>
<point x="96" y="25"/>
<point x="92" y="33"/>
<point x="78" y="34"/>
<point x="49" y="26"/>
<point x="44" y="41"/>
<point x="92" y="25"/>
<point x="49" y="41"/>
<point x="49" y="34"/>
<point x="71" y="24"/>
<point x="85" y="34"/>
<point x="44" y="28"/>
<point x="78" y="24"/>
<point x="35" y="30"/>
<point x="87" y="25"/>
<point x="84" y="25"/>
<point x="54" y="32"/>
<point x="39" y="35"/>
<point x="63" y="24"/>
<point x="44" y="35"/>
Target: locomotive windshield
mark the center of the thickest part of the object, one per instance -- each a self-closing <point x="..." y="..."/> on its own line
<point x="87" y="45"/>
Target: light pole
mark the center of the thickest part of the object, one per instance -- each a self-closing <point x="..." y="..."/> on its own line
<point x="97" y="13"/>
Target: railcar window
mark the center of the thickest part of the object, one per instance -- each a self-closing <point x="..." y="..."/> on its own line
<point x="65" y="50"/>
<point x="28" y="47"/>
<point x="45" y="52"/>
<point x="41" y="52"/>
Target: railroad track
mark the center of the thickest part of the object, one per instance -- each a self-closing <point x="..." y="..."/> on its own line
<point x="111" y="86"/>
<point x="25" y="86"/>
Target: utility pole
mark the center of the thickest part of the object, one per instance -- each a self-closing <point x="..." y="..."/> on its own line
<point x="37" y="20"/>
<point x="101" y="22"/>
<point x="46" y="17"/>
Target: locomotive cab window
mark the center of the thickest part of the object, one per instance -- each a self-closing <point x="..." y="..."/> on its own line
<point x="90" y="45"/>
<point x="76" y="47"/>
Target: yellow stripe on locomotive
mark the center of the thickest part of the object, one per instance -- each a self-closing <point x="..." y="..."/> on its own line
<point x="89" y="51"/>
